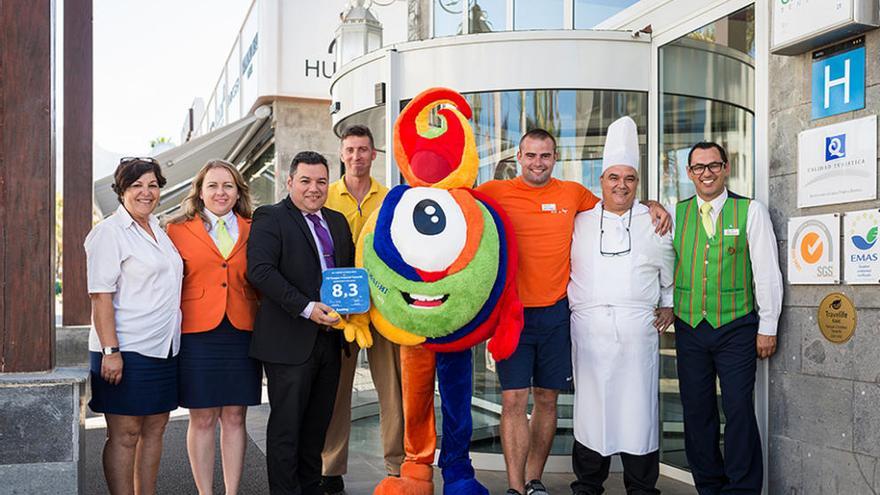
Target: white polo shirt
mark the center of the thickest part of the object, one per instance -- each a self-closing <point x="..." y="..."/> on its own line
<point x="144" y="275"/>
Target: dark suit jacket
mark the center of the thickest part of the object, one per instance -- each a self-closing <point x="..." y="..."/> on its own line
<point x="283" y="265"/>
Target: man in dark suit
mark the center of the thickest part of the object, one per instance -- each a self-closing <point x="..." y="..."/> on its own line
<point x="291" y="243"/>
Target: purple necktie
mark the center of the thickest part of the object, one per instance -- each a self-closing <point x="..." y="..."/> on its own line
<point x="324" y="238"/>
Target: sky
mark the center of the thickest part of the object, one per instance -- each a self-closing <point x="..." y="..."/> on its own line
<point x="152" y="58"/>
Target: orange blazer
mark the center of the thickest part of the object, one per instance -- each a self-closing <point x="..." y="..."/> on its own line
<point x="213" y="286"/>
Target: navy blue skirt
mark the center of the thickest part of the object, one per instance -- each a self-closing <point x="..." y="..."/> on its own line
<point x="148" y="386"/>
<point x="215" y="369"/>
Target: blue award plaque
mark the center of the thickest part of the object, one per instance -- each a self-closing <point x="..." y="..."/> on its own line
<point x="346" y="290"/>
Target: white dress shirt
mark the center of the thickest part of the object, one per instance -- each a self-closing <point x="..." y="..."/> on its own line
<point x="764" y="255"/>
<point x="307" y="312"/>
<point x="229" y="219"/>
<point x="144" y="275"/>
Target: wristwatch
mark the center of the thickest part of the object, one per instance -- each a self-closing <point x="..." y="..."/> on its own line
<point x="109" y="350"/>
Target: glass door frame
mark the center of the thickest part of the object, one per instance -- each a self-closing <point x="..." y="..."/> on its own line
<point x="699" y="18"/>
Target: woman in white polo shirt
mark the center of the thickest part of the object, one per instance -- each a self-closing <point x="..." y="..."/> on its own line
<point x="134" y="279"/>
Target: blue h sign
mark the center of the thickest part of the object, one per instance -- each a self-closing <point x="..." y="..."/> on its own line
<point x="839" y="83"/>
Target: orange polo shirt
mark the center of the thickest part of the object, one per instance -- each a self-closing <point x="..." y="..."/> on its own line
<point x="543" y="219"/>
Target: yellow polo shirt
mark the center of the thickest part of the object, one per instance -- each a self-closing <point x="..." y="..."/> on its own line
<point x="339" y="199"/>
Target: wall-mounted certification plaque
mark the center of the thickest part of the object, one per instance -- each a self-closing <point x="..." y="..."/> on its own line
<point x="837" y="318"/>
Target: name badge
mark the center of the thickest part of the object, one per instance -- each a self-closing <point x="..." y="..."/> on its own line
<point x="346" y="290"/>
<point x="548" y="207"/>
<point x="731" y="231"/>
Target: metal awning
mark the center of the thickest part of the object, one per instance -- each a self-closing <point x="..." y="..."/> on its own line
<point x="180" y="164"/>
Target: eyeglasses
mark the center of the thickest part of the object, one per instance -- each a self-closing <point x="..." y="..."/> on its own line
<point x="148" y="159"/>
<point x="602" y="235"/>
<point x="699" y="168"/>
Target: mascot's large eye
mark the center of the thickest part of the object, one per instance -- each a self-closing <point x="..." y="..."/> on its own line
<point x="428" y="229"/>
<point x="428" y="217"/>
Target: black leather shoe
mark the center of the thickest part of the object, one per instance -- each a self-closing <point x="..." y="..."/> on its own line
<point x="332" y="485"/>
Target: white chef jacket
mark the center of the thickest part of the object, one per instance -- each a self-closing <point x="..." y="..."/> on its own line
<point x="764" y="256"/>
<point x="144" y="275"/>
<point x="615" y="347"/>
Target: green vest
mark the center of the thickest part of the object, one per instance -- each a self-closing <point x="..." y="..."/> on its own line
<point x="713" y="276"/>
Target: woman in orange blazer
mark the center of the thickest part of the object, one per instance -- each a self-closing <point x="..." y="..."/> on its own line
<point x="217" y="379"/>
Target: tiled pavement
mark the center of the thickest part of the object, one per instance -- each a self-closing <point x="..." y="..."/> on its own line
<point x="365" y="463"/>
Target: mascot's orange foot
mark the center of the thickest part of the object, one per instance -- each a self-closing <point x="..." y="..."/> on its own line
<point x="415" y="479"/>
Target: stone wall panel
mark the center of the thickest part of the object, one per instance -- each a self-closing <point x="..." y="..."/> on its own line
<point x="866" y="419"/>
<point x="814" y="410"/>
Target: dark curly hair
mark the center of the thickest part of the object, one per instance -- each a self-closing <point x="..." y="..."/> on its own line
<point x="130" y="170"/>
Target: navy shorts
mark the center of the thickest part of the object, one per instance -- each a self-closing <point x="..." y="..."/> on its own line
<point x="543" y="356"/>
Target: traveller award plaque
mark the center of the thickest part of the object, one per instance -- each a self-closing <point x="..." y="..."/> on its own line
<point x="837" y="318"/>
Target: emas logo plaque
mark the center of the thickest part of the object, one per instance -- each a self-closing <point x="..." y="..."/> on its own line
<point x="837" y="318"/>
<point x="861" y="247"/>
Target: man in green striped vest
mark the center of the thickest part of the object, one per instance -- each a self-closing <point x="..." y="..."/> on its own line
<point x="728" y="296"/>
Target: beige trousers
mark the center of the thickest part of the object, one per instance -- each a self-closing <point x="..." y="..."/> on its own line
<point x="384" y="360"/>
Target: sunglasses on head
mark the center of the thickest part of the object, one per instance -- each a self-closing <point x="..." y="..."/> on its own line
<point x="130" y="159"/>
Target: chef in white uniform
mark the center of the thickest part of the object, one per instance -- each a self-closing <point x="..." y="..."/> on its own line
<point x="620" y="295"/>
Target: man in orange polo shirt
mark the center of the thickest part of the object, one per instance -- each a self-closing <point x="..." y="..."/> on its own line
<point x="542" y="210"/>
<point x="357" y="195"/>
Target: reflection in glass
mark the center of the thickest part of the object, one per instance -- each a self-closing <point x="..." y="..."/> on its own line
<point x="688" y="120"/>
<point x="447" y="17"/>
<point x="736" y="31"/>
<point x="578" y="119"/>
<point x="589" y="13"/>
<point x="707" y="94"/>
<point x="485" y="16"/>
<point x="538" y="14"/>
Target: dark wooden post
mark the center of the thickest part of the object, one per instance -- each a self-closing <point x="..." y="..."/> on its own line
<point x="27" y="177"/>
<point x="77" y="214"/>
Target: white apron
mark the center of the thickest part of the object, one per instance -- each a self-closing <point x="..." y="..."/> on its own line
<point x="615" y="347"/>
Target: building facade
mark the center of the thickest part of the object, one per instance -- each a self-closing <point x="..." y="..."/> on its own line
<point x="745" y="73"/>
<point x="737" y="72"/>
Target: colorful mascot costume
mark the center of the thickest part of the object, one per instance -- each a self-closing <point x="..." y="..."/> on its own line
<point x="442" y="265"/>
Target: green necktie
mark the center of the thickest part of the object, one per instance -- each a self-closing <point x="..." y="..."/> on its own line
<point x="708" y="224"/>
<point x="224" y="240"/>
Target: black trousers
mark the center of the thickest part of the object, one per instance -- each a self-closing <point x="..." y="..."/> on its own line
<point x="640" y="472"/>
<point x="301" y="398"/>
<point x="729" y="353"/>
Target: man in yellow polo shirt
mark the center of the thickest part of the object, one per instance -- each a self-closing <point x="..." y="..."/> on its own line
<point x="356" y="195"/>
